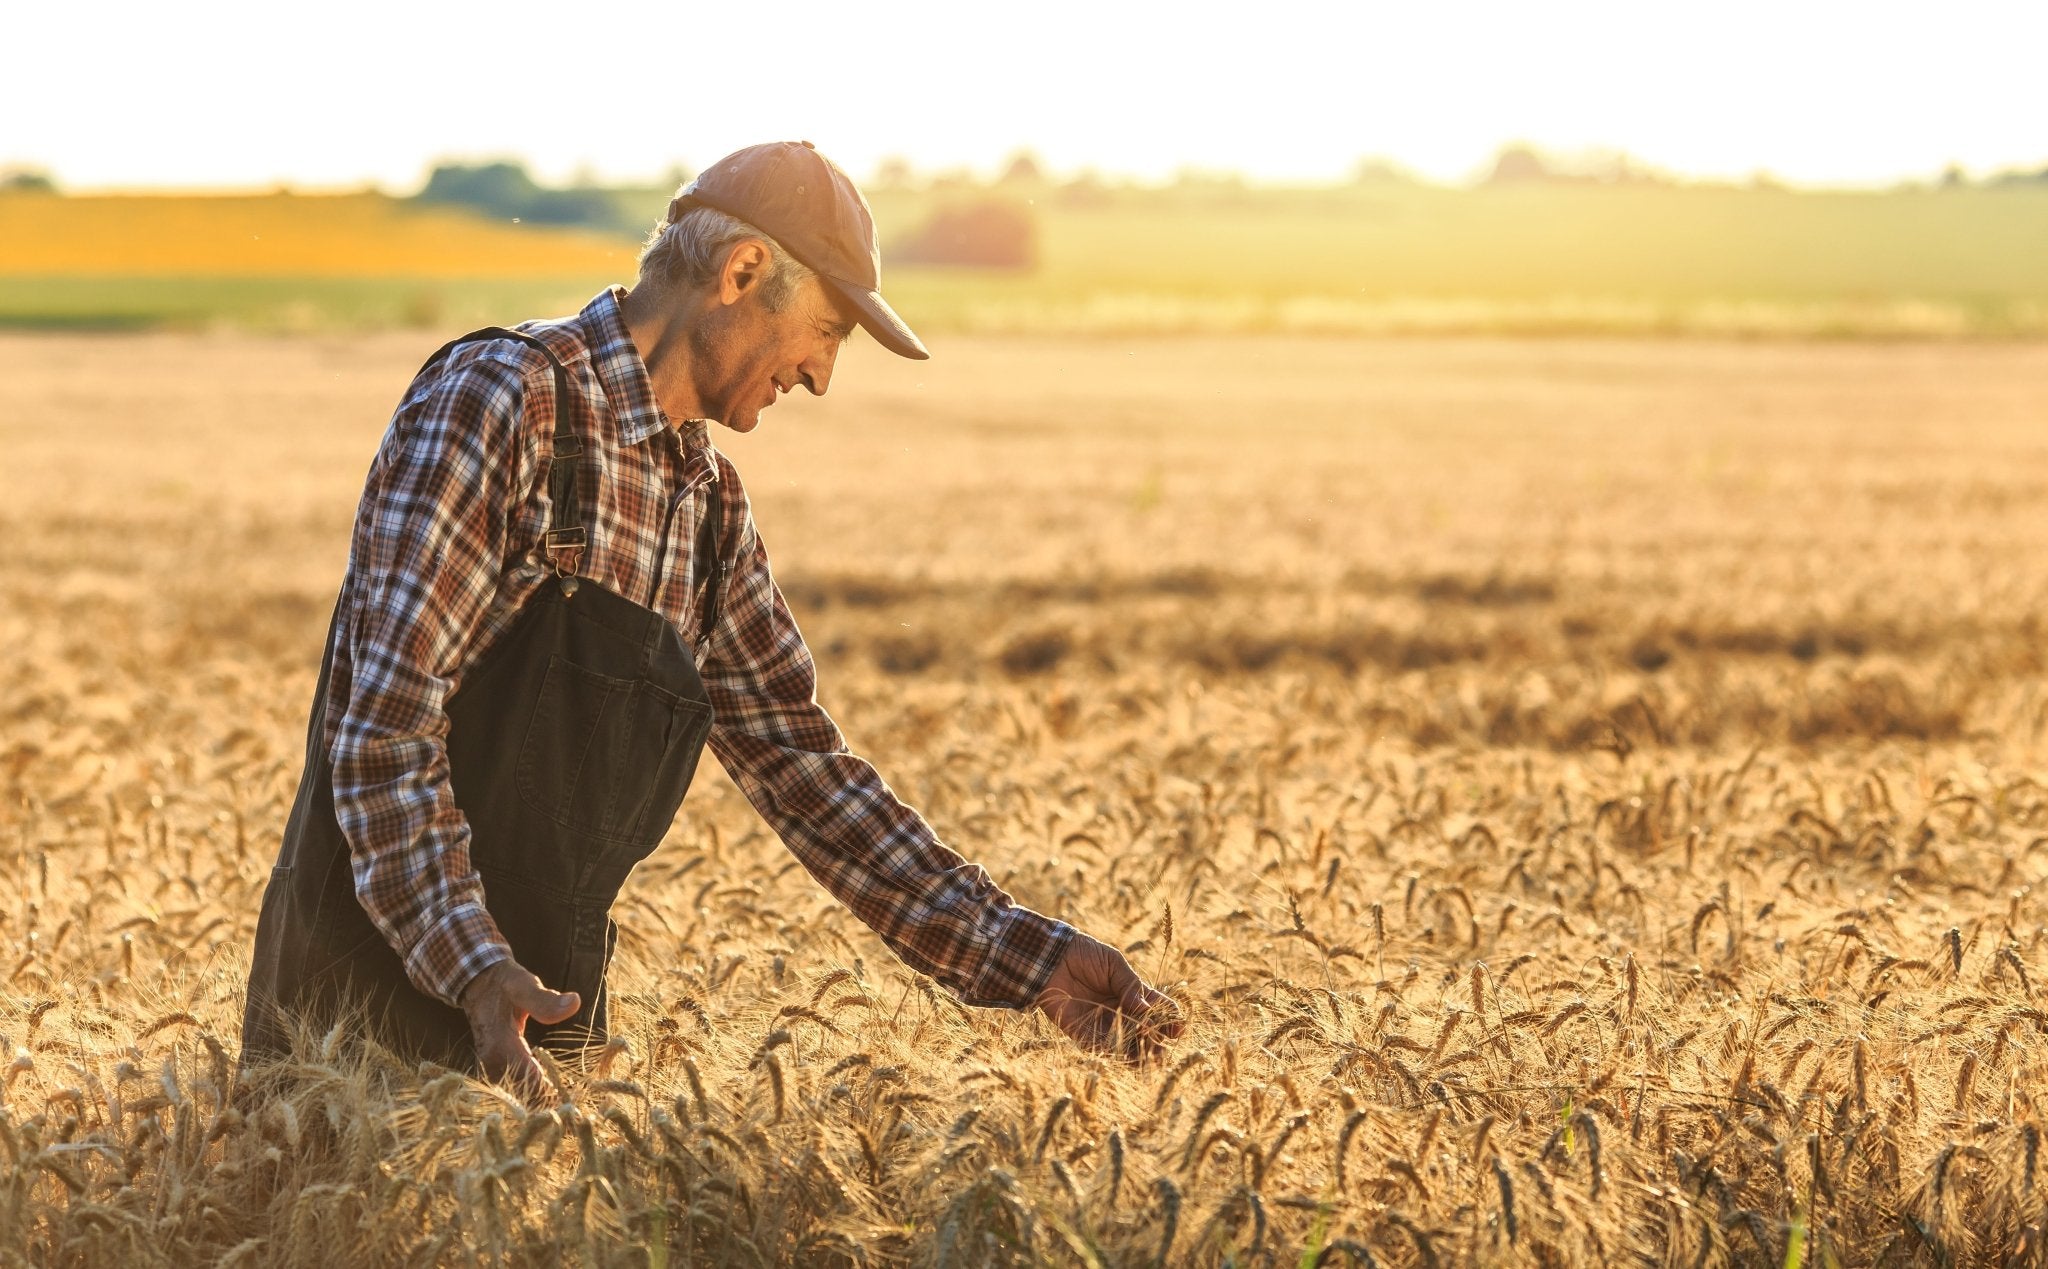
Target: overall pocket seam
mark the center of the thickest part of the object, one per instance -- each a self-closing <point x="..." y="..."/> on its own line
<point x="525" y="775"/>
<point x="558" y="813"/>
<point x="681" y="713"/>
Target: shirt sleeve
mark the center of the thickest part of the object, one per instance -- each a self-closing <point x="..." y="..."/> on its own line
<point x="942" y="915"/>
<point x="425" y="561"/>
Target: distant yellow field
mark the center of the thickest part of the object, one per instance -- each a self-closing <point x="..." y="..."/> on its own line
<point x="354" y="235"/>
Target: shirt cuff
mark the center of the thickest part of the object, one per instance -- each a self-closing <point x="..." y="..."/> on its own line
<point x="460" y="944"/>
<point x="1021" y="957"/>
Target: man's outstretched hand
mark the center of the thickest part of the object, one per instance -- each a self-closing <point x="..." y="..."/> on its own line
<point x="1098" y="999"/>
<point x="498" y="1002"/>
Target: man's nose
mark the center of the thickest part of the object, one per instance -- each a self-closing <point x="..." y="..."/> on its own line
<point x="817" y="371"/>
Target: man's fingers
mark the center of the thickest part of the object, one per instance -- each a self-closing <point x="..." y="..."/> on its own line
<point x="527" y="1076"/>
<point x="501" y="1055"/>
<point x="509" y="993"/>
<point x="548" y="1006"/>
<point x="1134" y="997"/>
<point x="1162" y="1014"/>
<point x="517" y="1068"/>
<point x="530" y="997"/>
<point x="1150" y="1011"/>
<point x="498" y="1003"/>
<point x="1102" y="1004"/>
<point x="1086" y="1022"/>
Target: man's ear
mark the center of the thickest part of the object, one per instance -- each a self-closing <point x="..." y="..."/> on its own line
<point x="745" y="265"/>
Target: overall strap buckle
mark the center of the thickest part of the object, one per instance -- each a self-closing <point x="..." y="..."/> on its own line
<point x="565" y="538"/>
<point x="714" y="530"/>
<point x="564" y="548"/>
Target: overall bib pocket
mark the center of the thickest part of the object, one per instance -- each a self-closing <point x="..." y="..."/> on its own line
<point x="606" y="756"/>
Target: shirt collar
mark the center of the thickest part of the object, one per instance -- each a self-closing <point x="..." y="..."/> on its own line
<point x="623" y="376"/>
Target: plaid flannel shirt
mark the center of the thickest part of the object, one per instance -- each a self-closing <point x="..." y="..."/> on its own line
<point x="446" y="549"/>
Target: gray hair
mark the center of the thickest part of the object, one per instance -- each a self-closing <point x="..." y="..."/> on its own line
<point x="691" y="251"/>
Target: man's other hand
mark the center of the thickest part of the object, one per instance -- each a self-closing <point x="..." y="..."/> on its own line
<point x="498" y="1002"/>
<point x="1098" y="999"/>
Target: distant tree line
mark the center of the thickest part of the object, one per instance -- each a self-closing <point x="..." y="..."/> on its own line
<point x="26" y="180"/>
<point x="504" y="191"/>
<point x="993" y="229"/>
<point x="1956" y="178"/>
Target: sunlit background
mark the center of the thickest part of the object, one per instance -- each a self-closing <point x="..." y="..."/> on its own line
<point x="247" y="94"/>
<point x="1582" y="167"/>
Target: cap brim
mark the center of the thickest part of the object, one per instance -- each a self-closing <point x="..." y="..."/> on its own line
<point x="879" y="320"/>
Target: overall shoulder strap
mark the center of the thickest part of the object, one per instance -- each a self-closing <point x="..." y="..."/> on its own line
<point x="565" y="537"/>
<point x="711" y="547"/>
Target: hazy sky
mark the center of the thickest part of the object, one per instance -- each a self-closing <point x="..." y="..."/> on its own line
<point x="119" y="93"/>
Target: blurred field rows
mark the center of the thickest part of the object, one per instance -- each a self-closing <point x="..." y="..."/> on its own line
<point x="1597" y="787"/>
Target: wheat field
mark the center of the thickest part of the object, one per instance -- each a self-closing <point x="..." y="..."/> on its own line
<point x="1587" y="798"/>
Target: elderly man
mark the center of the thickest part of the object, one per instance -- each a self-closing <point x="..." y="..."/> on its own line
<point x="556" y="596"/>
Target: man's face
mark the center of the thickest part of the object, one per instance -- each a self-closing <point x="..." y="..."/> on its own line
<point x="751" y="356"/>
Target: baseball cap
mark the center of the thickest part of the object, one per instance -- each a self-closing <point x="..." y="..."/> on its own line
<point x="801" y="199"/>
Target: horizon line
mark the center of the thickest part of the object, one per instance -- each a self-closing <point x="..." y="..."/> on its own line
<point x="1582" y="164"/>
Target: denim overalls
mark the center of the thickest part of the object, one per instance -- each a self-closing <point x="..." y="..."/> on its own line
<point x="570" y="745"/>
